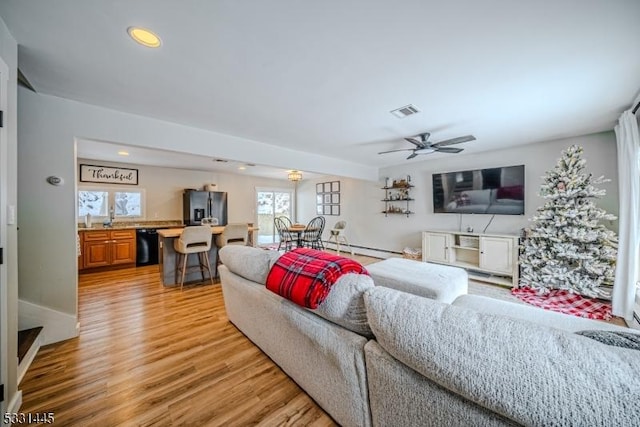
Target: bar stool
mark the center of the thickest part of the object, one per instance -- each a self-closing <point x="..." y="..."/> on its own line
<point x="233" y="234"/>
<point x="193" y="240"/>
<point x="338" y="237"/>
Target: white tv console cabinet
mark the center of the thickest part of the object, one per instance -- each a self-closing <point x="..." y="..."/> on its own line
<point x="486" y="257"/>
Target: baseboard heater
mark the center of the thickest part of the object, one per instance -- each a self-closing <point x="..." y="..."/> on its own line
<point x="328" y="243"/>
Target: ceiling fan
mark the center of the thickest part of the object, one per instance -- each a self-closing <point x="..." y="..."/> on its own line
<point x="423" y="146"/>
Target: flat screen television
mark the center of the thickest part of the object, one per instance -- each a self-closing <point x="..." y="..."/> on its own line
<point x="481" y="191"/>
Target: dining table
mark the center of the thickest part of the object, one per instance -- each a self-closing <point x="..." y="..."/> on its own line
<point x="297" y="229"/>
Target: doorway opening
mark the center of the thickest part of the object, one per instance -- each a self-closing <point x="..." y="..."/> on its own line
<point x="271" y="203"/>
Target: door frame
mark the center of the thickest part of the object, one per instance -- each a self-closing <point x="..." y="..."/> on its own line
<point x="4" y="373"/>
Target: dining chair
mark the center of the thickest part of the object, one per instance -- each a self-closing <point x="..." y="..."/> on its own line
<point x="312" y="234"/>
<point x="286" y="220"/>
<point x="337" y="235"/>
<point x="282" y="224"/>
<point x="193" y="240"/>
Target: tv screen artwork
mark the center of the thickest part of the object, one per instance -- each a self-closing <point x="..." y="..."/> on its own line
<point x="482" y="191"/>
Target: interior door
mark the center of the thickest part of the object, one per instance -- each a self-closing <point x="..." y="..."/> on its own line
<point x="271" y="203"/>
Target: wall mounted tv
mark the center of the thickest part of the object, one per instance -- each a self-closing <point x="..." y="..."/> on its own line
<point x="481" y="191"/>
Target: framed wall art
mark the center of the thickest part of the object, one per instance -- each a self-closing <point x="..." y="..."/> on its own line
<point x="108" y="175"/>
<point x="328" y="198"/>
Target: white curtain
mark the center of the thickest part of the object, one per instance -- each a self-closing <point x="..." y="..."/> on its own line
<point x="628" y="143"/>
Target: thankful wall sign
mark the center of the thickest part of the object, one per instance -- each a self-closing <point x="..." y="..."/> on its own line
<point x="108" y="175"/>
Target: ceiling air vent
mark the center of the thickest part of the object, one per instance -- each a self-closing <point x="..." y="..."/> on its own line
<point x="405" y="111"/>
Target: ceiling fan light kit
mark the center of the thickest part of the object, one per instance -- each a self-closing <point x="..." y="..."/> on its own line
<point x="424" y="146"/>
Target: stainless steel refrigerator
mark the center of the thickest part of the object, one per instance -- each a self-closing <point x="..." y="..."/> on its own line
<point x="204" y="204"/>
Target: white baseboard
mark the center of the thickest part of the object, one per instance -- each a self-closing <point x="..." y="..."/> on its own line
<point x="372" y="252"/>
<point x="56" y="325"/>
<point x="28" y="358"/>
<point x="15" y="403"/>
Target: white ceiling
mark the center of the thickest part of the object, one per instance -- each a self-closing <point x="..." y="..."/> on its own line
<point x="322" y="76"/>
<point x="100" y="150"/>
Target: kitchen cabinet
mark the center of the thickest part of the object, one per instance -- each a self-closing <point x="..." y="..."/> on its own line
<point x="486" y="257"/>
<point x="107" y="248"/>
<point x="436" y="247"/>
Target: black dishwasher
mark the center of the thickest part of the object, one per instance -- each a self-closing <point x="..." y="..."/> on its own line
<point x="146" y="246"/>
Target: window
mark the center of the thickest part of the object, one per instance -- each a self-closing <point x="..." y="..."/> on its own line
<point x="91" y="202"/>
<point x="128" y="203"/>
<point x="100" y="201"/>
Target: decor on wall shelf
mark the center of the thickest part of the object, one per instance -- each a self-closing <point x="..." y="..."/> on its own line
<point x="108" y="175"/>
<point x="328" y="198"/>
<point x="397" y="196"/>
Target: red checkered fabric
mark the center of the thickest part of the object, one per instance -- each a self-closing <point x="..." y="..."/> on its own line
<point x="565" y="302"/>
<point x="305" y="276"/>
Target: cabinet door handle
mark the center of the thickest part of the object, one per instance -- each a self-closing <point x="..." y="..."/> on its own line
<point x="107" y="241"/>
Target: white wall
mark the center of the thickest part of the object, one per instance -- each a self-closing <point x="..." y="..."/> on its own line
<point x="361" y="204"/>
<point x="8" y="233"/>
<point x="49" y="125"/>
<point x="48" y="129"/>
<point x="164" y="186"/>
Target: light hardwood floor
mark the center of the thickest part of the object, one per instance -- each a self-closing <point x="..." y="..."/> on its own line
<point x="148" y="355"/>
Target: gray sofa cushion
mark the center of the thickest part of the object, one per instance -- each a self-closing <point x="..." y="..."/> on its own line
<point x="532" y="374"/>
<point x="345" y="303"/>
<point x="251" y="263"/>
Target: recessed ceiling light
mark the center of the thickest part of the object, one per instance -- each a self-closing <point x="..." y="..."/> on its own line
<point x="144" y="37"/>
<point x="123" y="153"/>
<point x="241" y="168"/>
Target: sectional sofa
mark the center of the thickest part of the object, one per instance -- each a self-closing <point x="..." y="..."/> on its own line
<point x="370" y="355"/>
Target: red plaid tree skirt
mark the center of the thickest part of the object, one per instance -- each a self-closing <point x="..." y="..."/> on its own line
<point x="565" y="302"/>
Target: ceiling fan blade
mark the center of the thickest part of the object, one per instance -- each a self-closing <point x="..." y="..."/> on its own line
<point x="448" y="149"/>
<point x="412" y="155"/>
<point x="458" y="140"/>
<point x="393" y="151"/>
<point x="415" y="142"/>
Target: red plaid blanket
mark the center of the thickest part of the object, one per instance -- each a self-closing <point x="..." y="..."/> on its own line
<point x="565" y="302"/>
<point x="305" y="276"/>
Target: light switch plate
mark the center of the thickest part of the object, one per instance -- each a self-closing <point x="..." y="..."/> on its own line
<point x="11" y="214"/>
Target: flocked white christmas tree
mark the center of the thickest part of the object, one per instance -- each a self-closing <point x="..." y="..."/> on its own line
<point x="567" y="247"/>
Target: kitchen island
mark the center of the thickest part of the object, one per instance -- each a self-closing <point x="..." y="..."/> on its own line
<point x="167" y="255"/>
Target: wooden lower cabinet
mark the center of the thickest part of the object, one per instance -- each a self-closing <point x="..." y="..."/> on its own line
<point x="107" y="248"/>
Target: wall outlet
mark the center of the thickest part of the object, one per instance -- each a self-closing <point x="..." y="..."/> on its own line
<point x="155" y="215"/>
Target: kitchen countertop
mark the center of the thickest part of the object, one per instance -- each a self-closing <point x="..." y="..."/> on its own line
<point x="131" y="225"/>
<point x="215" y="229"/>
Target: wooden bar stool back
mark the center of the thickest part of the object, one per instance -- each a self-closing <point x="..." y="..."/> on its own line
<point x="193" y="240"/>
